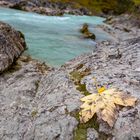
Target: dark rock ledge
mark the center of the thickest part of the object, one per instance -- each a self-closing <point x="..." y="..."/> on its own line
<point x="12" y="44"/>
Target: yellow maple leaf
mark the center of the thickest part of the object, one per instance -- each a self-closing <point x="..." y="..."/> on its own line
<point x="104" y="105"/>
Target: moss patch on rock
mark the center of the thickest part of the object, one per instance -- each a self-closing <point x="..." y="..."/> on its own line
<point x="81" y="131"/>
<point x="34" y="113"/>
<point x="77" y="76"/>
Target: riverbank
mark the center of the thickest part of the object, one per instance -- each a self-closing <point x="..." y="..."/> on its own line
<point x="38" y="102"/>
<point x="46" y="8"/>
<point x="74" y="7"/>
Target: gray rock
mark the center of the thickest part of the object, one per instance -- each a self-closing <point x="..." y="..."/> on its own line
<point x="128" y="123"/>
<point x="92" y="134"/>
<point x="37" y="111"/>
<point x="17" y="91"/>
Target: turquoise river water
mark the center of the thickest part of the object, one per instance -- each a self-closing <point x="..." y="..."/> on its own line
<point x="52" y="39"/>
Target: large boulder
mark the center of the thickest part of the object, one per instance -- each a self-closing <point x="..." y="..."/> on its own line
<point x="12" y="44"/>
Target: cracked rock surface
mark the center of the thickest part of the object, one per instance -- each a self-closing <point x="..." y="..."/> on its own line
<point x="37" y="106"/>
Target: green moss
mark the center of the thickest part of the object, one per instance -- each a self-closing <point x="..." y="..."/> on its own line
<point x="81" y="132"/>
<point x="34" y="113"/>
<point x="82" y="89"/>
<point x="137" y="2"/>
<point x="77" y="76"/>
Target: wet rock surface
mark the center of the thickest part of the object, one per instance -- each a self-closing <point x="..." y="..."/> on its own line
<point x="12" y="44"/>
<point x="86" y="33"/>
<point x="38" y="102"/>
